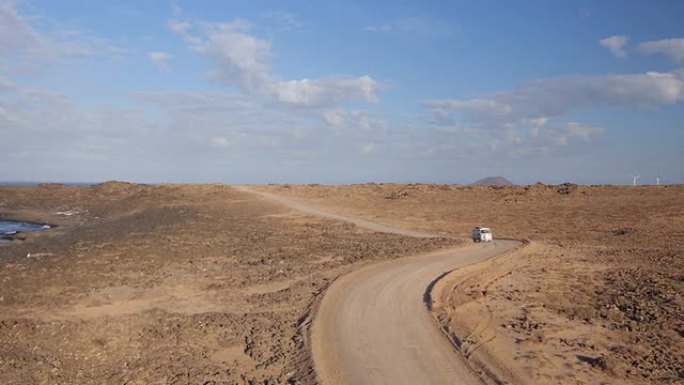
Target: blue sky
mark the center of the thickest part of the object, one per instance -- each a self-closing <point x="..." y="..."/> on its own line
<point x="585" y="91"/>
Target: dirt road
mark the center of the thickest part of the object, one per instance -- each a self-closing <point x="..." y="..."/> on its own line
<point x="373" y="327"/>
<point x="365" y="224"/>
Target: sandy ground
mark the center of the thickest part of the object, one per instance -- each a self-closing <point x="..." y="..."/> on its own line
<point x="169" y="284"/>
<point x="596" y="298"/>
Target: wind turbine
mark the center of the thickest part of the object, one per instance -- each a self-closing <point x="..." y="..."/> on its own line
<point x="635" y="179"/>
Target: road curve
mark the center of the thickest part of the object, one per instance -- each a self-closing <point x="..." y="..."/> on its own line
<point x="372" y="325"/>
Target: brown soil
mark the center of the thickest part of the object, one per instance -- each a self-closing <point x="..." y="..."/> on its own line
<point x="596" y="298"/>
<point x="170" y="284"/>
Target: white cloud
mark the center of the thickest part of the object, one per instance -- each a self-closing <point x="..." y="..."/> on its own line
<point x="158" y="57"/>
<point x="379" y="28"/>
<point x="242" y="60"/>
<point x="561" y="135"/>
<point x="368" y="148"/>
<point x="16" y="35"/>
<point x="176" y="10"/>
<point x="22" y="45"/>
<point x="220" y="141"/>
<point x="327" y="91"/>
<point x="673" y="48"/>
<point x="159" y="60"/>
<point x="485" y="109"/>
<point x="616" y="44"/>
<point x="412" y="26"/>
<point x="570" y="138"/>
<point x="285" y="21"/>
<point x="538" y="122"/>
<point x="534" y="132"/>
<point x="333" y="117"/>
<point x="178" y="27"/>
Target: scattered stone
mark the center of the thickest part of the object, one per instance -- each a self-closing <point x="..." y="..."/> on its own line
<point x="397" y="194"/>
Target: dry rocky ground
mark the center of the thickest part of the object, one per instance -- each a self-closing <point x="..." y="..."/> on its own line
<point x="596" y="298"/>
<point x="171" y="284"/>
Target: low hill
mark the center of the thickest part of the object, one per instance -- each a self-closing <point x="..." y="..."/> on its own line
<point x="493" y="181"/>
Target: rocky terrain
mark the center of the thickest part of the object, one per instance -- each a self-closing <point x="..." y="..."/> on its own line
<point x="172" y="284"/>
<point x="597" y="297"/>
<point x="187" y="284"/>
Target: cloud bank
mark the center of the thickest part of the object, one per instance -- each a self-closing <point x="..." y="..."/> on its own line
<point x="253" y="125"/>
<point x="532" y="114"/>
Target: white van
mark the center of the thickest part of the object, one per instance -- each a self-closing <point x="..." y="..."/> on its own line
<point x="482" y="234"/>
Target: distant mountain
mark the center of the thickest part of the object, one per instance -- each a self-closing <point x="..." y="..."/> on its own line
<point x="493" y="181"/>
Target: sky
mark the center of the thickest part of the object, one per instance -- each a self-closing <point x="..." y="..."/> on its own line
<point x="581" y="91"/>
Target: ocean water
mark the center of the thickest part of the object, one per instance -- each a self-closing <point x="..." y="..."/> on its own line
<point x="12" y="227"/>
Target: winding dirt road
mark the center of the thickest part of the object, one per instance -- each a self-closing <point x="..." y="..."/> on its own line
<point x="373" y="325"/>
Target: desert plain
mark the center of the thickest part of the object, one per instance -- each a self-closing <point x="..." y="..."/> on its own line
<point x="209" y="284"/>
